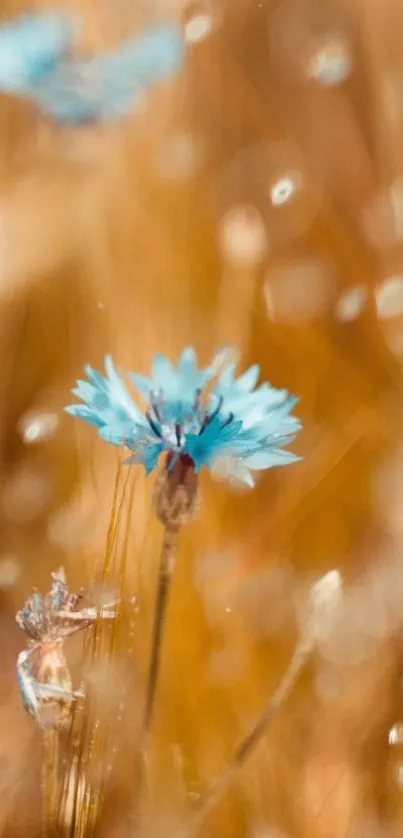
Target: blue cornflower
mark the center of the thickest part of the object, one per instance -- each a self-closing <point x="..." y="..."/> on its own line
<point x="31" y="47"/>
<point x="198" y="417"/>
<point x="36" y="62"/>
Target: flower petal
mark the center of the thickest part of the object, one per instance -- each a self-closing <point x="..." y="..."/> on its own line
<point x="31" y="47"/>
<point x="142" y="384"/>
<point x="268" y="459"/>
<point x="247" y="381"/>
<point x="164" y="376"/>
<point x="119" y="393"/>
<point x="186" y="367"/>
<point x="96" y="378"/>
<point x="83" y="412"/>
<point x="233" y="470"/>
<point x="147" y="456"/>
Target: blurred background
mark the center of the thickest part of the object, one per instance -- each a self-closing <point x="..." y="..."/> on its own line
<point x="256" y="200"/>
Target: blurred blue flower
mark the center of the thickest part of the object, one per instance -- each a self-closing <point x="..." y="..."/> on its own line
<point x="30" y="49"/>
<point x="210" y="419"/>
<point x="36" y="62"/>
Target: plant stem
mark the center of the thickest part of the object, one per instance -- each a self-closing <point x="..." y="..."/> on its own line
<point x="251" y="740"/>
<point x="166" y="568"/>
<point x="50" y="782"/>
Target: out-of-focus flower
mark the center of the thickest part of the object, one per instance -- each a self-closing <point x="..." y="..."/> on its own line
<point x="196" y="419"/>
<point x="30" y="49"/>
<point x="35" y="62"/>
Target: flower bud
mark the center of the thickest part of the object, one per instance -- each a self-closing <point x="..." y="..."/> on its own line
<point x="175" y="492"/>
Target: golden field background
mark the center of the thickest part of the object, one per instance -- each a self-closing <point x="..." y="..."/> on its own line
<point x="164" y="231"/>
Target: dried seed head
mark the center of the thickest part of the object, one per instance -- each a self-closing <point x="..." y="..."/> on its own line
<point x="175" y="493"/>
<point x="325" y="600"/>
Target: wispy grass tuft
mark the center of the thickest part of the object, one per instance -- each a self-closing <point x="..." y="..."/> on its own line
<point x="90" y="743"/>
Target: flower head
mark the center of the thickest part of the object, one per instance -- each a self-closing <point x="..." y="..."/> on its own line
<point x="37" y="61"/>
<point x="222" y="422"/>
<point x="31" y="47"/>
<point x="108" y="86"/>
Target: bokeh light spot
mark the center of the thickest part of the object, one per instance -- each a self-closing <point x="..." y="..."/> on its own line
<point x="331" y="64"/>
<point x="198" y="27"/>
<point x="389" y="298"/>
<point x="243" y="236"/>
<point x="36" y="426"/>
<point x="283" y="190"/>
<point x="350" y="304"/>
<point x="10" y="571"/>
<point x="299" y="290"/>
<point x="396" y="734"/>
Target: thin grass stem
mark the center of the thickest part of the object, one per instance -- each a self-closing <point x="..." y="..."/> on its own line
<point x="50" y="782"/>
<point x="248" y="744"/>
<point x="166" y="568"/>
